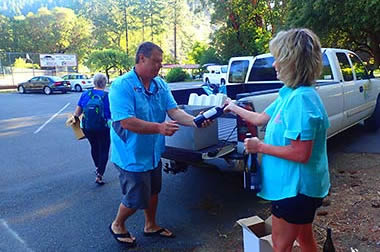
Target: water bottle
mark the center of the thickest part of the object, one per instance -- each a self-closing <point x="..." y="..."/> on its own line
<point x="252" y="175"/>
<point x="210" y="114"/>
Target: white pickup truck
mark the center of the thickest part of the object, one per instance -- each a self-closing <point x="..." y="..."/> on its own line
<point x="349" y="92"/>
<point x="215" y="74"/>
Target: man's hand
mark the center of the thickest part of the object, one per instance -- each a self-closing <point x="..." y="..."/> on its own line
<point x="205" y="123"/>
<point x="252" y="144"/>
<point x="168" y="128"/>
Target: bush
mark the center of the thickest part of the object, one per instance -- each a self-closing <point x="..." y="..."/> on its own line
<point x="176" y="74"/>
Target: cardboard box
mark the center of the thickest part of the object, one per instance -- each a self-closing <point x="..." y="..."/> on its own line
<point x="257" y="234"/>
<point x="192" y="138"/>
<point x="75" y="126"/>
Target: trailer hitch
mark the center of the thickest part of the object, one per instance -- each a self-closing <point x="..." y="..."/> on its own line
<point x="174" y="167"/>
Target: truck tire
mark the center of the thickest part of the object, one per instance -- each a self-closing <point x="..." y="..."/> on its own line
<point x="222" y="81"/>
<point x="207" y="81"/>
<point x="373" y="122"/>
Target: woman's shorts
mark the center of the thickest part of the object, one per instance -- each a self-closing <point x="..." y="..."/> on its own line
<point x="296" y="210"/>
<point x="138" y="187"/>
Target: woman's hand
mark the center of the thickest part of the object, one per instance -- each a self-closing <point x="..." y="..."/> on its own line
<point x="252" y="144"/>
<point x="230" y="105"/>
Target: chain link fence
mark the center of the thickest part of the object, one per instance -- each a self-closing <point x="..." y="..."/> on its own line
<point x="19" y="67"/>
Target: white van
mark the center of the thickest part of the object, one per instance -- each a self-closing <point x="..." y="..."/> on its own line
<point x="216" y="74"/>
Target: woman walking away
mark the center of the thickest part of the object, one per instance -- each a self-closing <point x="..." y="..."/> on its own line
<point x="95" y="106"/>
<point x="294" y="163"/>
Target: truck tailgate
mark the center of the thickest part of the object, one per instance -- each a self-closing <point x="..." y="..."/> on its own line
<point x="226" y="128"/>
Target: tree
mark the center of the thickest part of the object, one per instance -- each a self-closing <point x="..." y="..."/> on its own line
<point x="107" y="59"/>
<point x="358" y="29"/>
<point x="109" y="21"/>
<point x="56" y="31"/>
<point x="195" y="54"/>
<point x="211" y="56"/>
<point x="244" y="26"/>
<point x="6" y="39"/>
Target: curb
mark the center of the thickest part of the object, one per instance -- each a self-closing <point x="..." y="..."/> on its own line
<point x="8" y="90"/>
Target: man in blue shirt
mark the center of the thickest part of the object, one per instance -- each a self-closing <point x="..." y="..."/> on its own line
<point x="139" y="102"/>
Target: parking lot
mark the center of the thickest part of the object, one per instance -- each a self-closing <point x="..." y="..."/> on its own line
<point x="51" y="203"/>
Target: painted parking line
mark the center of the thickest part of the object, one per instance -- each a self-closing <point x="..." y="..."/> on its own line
<point x="51" y="118"/>
<point x="20" y="243"/>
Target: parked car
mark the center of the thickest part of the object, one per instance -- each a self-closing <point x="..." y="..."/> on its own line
<point x="79" y="81"/>
<point x="45" y="84"/>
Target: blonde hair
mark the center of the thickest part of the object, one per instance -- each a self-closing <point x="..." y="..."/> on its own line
<point x="298" y="55"/>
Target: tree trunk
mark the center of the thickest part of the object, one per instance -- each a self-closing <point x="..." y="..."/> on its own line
<point x="143" y="28"/>
<point x="175" y="31"/>
<point x="108" y="76"/>
<point x="375" y="48"/>
<point x="126" y="26"/>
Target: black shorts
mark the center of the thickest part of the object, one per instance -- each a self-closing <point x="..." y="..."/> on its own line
<point x="296" y="210"/>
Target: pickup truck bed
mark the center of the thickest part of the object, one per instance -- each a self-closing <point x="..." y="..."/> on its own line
<point x="227" y="135"/>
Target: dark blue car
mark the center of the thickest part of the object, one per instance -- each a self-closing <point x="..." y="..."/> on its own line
<point x="45" y="84"/>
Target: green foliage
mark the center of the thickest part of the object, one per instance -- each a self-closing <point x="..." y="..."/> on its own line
<point x="195" y="54"/>
<point x="106" y="59"/>
<point x="57" y="31"/>
<point x="98" y="24"/>
<point x="21" y="63"/>
<point x="210" y="56"/>
<point x="247" y="26"/>
<point x="356" y="30"/>
<point x="176" y="74"/>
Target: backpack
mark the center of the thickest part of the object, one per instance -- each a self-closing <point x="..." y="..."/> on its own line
<point x="93" y="113"/>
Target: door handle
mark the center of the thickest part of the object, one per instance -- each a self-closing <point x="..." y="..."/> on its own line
<point x="361" y="89"/>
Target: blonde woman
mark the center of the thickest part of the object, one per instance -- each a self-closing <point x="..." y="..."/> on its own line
<point x="294" y="163"/>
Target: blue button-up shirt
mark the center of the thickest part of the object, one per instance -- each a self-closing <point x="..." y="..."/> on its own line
<point x="129" y="98"/>
<point x="296" y="113"/>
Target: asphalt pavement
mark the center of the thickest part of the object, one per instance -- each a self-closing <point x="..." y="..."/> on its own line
<point x="49" y="201"/>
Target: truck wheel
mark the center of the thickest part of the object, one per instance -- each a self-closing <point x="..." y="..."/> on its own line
<point x="207" y="81"/>
<point x="373" y="122"/>
<point x="222" y="81"/>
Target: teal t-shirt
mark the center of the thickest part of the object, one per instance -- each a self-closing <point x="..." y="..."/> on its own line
<point x="128" y="98"/>
<point x="296" y="113"/>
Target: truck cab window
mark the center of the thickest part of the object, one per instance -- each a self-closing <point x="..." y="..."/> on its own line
<point x="326" y="70"/>
<point x="262" y="70"/>
<point x="345" y="66"/>
<point x="224" y="69"/>
<point x="238" y="71"/>
<point x="359" y="68"/>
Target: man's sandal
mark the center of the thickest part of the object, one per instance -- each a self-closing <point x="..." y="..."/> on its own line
<point x="126" y="235"/>
<point x="161" y="233"/>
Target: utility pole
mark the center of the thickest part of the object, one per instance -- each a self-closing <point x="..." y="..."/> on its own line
<point x="126" y="26"/>
<point x="175" y="31"/>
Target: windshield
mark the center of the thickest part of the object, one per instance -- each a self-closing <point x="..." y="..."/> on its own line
<point x="55" y="78"/>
